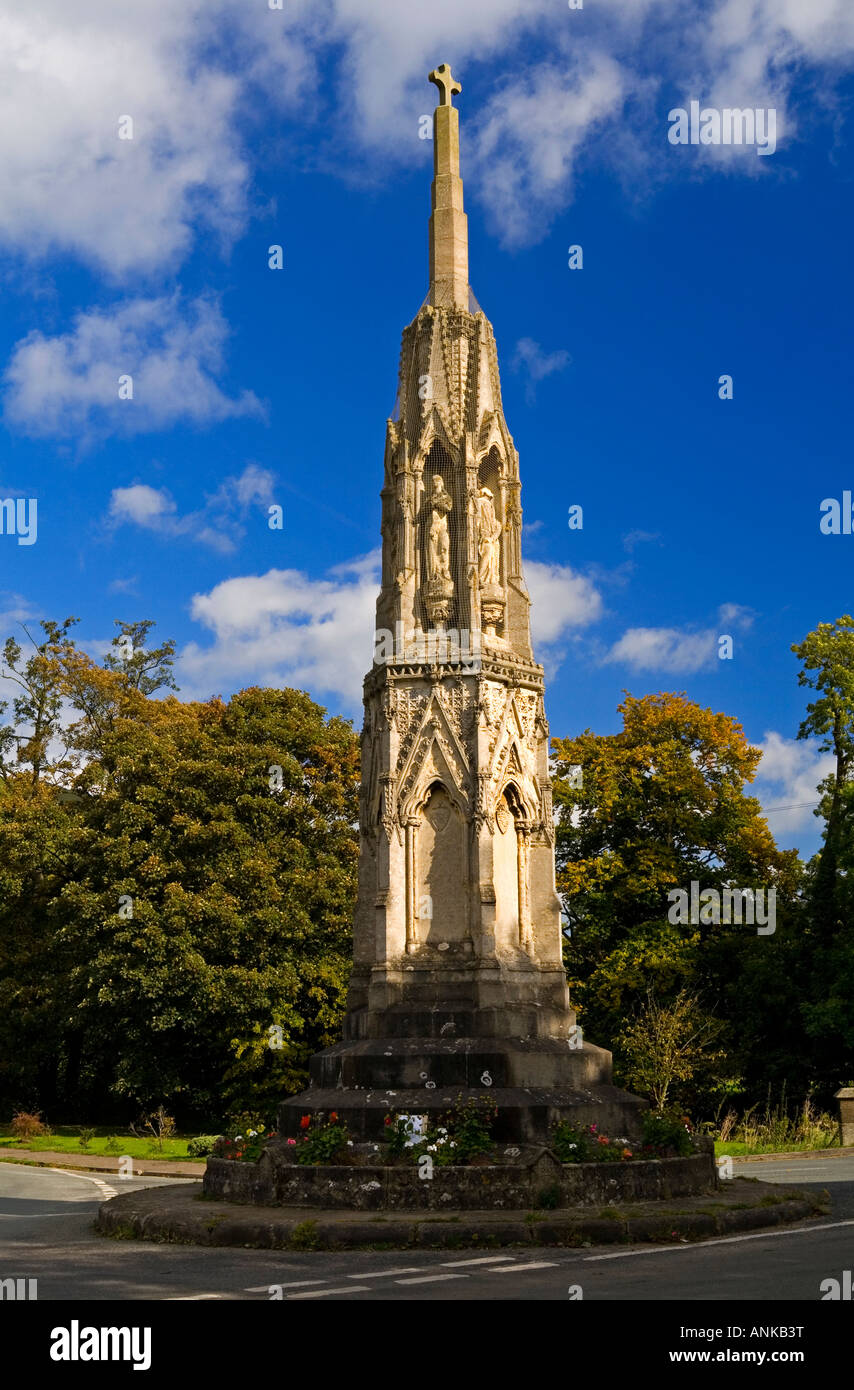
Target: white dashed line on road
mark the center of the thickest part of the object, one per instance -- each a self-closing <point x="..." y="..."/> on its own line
<point x="520" y="1269"/>
<point x="297" y="1284"/>
<point x="324" y="1293"/>
<point x="721" y="1240"/>
<point x="431" y="1278"/>
<point x="484" y="1260"/>
<point x="386" y="1273"/>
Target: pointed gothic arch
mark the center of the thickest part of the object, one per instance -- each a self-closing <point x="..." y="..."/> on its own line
<point x="440" y="865"/>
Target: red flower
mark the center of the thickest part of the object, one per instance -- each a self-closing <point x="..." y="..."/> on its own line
<point x="305" y="1122"/>
<point x="333" y="1117"/>
<point x="388" y="1119"/>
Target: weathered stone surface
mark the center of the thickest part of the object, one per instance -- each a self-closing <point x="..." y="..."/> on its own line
<point x="177" y="1214"/>
<point x="277" y="1180"/>
<point x="457" y="959"/>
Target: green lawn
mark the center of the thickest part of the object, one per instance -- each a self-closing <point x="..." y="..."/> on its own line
<point x="739" y="1150"/>
<point x="66" y="1139"/>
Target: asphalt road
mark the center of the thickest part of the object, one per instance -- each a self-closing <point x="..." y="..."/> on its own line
<point x="46" y="1233"/>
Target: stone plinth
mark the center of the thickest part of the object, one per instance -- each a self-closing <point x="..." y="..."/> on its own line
<point x="533" y="1082"/>
<point x="846" y="1115"/>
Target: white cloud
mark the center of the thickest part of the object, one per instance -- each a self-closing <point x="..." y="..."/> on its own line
<point x="562" y="602"/>
<point x="735" y="615"/>
<point x="530" y="358"/>
<point x="68" y="386"/>
<point x="144" y="505"/>
<point x="677" y="649"/>
<point x="788" y="776"/>
<point x="284" y="628"/>
<point x="526" y="140"/>
<point x="68" y="72"/>
<point x="218" y="523"/>
<point x="664" y="649"/>
<point x="196" y="76"/>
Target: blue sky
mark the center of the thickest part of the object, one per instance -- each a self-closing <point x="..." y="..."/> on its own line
<point x="255" y="127"/>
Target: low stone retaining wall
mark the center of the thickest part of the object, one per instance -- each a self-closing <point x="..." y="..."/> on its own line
<point x="540" y="1181"/>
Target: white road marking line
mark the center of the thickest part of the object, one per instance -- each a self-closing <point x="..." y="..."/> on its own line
<point x="297" y="1284"/>
<point x="721" y="1240"/>
<point x="432" y="1278"/>
<point x="40" y="1215"/>
<point x="104" y="1187"/>
<point x="386" y="1273"/>
<point x="520" y="1269"/>
<point x="484" y="1260"/>
<point x="324" y="1293"/>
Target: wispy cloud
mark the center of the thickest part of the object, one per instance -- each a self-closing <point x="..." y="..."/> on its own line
<point x="674" y="649"/>
<point x="69" y="386"/>
<point x="530" y="359"/>
<point x="218" y="523"/>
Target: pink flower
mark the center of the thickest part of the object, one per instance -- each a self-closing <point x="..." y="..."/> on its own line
<point x="291" y="1141"/>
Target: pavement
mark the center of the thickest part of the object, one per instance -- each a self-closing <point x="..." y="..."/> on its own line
<point x="102" y="1163"/>
<point x="46" y="1233"/>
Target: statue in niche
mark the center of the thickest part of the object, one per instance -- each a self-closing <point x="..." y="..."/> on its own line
<point x="439" y="541"/>
<point x="488" y="539"/>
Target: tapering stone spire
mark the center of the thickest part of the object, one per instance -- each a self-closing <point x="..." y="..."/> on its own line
<point x="449" y="247"/>
<point x="458" y="980"/>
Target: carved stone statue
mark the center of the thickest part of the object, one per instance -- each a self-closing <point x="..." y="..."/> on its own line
<point x="439" y="542"/>
<point x="488" y="539"/>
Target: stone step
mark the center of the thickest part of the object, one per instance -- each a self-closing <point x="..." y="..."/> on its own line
<point x="447" y="1021"/>
<point x="525" y="1114"/>
<point x="425" y="1063"/>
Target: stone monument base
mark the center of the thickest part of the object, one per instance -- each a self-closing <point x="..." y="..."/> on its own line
<point x="533" y="1178"/>
<point x="533" y="1081"/>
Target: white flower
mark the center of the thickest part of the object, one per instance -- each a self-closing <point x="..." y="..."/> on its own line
<point x="237" y="1136"/>
<point x="573" y="1146"/>
<point x="252" y="1133"/>
<point x="349" y="1143"/>
<point x="431" y="1148"/>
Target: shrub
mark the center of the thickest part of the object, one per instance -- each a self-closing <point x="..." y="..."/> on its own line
<point x="322" y="1142"/>
<point x="86" y="1137"/>
<point x="403" y="1134"/>
<point x="469" y="1130"/>
<point x="202" y="1145"/>
<point x="247" y="1143"/>
<point x="158" y="1125"/>
<point x="570" y="1144"/>
<point x="667" y="1133"/>
<point x="587" y="1145"/>
<point x="29" y="1125"/>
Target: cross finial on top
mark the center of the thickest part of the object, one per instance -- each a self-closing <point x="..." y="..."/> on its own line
<point x="448" y="85"/>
